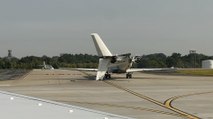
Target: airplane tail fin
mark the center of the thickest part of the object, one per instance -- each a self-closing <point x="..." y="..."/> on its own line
<point x="100" y="46"/>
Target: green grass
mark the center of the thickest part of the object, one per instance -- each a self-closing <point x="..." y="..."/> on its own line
<point x="197" y="72"/>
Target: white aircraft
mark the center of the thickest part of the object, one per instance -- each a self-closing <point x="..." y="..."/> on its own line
<point x="109" y="63"/>
<point x="45" y="66"/>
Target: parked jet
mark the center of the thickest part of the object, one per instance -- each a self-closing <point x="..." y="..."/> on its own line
<point x="45" y="66"/>
<point x="109" y="63"/>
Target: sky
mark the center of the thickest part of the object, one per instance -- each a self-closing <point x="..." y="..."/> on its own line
<point x="140" y="27"/>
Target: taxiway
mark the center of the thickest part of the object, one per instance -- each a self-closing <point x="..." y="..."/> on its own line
<point x="146" y="96"/>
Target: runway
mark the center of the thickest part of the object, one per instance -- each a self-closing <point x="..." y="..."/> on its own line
<point x="146" y="96"/>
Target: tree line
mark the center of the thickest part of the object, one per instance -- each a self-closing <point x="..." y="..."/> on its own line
<point x="35" y="62"/>
<point x="193" y="60"/>
<point x="91" y="61"/>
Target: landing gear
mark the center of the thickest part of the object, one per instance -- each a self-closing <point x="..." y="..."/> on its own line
<point x="129" y="75"/>
<point x="107" y="76"/>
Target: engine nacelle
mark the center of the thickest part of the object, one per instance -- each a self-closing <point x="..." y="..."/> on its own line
<point x="113" y="59"/>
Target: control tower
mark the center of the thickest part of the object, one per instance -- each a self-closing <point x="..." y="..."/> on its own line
<point x="9" y="53"/>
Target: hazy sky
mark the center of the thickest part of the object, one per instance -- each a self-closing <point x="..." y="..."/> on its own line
<point x="51" y="27"/>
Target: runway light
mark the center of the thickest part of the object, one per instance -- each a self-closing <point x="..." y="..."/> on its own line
<point x="11" y="98"/>
<point x="39" y="104"/>
<point x="106" y="118"/>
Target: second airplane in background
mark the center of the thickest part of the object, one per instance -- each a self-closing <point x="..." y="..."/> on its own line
<point x="45" y="66"/>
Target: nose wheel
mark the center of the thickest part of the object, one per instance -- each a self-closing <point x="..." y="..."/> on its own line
<point x="129" y="75"/>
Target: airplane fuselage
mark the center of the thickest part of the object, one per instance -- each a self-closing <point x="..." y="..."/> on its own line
<point x="122" y="63"/>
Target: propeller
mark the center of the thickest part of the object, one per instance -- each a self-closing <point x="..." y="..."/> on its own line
<point x="135" y="59"/>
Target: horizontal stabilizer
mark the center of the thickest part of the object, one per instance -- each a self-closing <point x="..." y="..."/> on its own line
<point x="86" y="69"/>
<point x="102" y="68"/>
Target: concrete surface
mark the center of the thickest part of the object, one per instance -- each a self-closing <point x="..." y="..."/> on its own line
<point x="190" y="94"/>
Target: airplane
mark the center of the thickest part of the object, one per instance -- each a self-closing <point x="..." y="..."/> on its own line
<point x="109" y="63"/>
<point x="45" y="66"/>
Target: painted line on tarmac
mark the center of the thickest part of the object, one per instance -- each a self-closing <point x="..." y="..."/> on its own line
<point x="182" y="113"/>
<point x="128" y="107"/>
<point x="168" y="102"/>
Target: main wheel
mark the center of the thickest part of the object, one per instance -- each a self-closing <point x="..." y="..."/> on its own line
<point x="107" y="76"/>
<point x="128" y="75"/>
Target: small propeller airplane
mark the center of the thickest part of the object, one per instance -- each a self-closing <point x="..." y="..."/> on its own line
<point x="109" y="63"/>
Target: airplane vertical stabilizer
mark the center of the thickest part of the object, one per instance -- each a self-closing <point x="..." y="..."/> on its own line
<point x="100" y="46"/>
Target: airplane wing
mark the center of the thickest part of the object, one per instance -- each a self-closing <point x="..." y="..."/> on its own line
<point x="102" y="68"/>
<point x="148" y="69"/>
<point x="86" y="69"/>
<point x="15" y="106"/>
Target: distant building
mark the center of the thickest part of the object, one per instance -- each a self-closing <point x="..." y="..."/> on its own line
<point x="207" y="64"/>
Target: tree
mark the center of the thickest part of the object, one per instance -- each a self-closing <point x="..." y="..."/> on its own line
<point x="152" y="61"/>
<point x="174" y="60"/>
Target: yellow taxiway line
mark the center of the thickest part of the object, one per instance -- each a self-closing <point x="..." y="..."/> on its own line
<point x="128" y="107"/>
<point x="164" y="105"/>
<point x="168" y="103"/>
